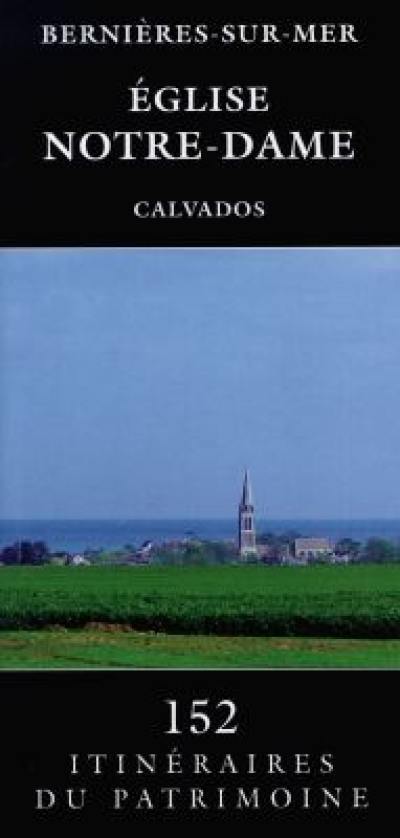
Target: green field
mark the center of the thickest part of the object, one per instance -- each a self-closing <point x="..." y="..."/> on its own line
<point x="101" y="646"/>
<point x="200" y="616"/>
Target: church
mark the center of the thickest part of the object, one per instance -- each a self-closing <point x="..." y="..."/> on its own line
<point x="247" y="531"/>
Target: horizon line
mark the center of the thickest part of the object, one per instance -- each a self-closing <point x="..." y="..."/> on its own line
<point x="202" y="518"/>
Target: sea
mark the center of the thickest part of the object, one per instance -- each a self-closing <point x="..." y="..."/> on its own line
<point x="79" y="535"/>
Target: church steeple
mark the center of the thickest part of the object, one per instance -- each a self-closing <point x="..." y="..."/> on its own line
<point x="247" y="495"/>
<point x="247" y="532"/>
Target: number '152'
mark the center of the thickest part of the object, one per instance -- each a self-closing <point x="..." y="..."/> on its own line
<point x="202" y="718"/>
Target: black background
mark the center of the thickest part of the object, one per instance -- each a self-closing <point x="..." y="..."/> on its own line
<point x="45" y="716"/>
<point x="311" y="87"/>
<point x="351" y="714"/>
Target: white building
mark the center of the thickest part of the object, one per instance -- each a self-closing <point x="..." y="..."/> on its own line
<point x="312" y="548"/>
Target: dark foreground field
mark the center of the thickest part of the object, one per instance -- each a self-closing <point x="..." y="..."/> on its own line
<point x="357" y="601"/>
<point x="205" y="616"/>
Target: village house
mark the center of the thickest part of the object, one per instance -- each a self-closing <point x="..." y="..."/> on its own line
<point x="306" y="549"/>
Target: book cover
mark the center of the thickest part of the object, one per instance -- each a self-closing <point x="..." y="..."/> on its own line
<point x="199" y="512"/>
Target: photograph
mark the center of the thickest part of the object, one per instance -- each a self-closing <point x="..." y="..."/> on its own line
<point x="199" y="458"/>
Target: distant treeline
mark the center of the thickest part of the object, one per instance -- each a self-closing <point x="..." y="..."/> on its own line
<point x="375" y="549"/>
<point x="196" y="553"/>
<point x="378" y="550"/>
<point x="25" y="552"/>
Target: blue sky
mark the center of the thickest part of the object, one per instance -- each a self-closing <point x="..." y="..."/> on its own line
<point x="140" y="383"/>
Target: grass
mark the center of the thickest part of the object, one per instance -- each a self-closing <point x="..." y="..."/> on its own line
<point x="328" y="601"/>
<point x="112" y="646"/>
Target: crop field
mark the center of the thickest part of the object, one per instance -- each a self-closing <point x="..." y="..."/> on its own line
<point x="345" y="602"/>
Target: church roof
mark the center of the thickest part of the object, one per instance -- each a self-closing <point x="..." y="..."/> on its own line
<point x="311" y="544"/>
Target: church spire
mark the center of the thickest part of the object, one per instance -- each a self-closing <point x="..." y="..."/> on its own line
<point x="247" y="531"/>
<point x="247" y="495"/>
